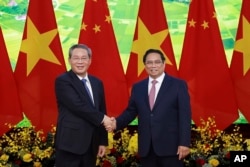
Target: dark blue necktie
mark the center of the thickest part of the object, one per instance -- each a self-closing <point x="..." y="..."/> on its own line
<point x="87" y="89"/>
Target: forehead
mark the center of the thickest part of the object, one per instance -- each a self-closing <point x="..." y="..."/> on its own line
<point x="79" y="52"/>
<point x="153" y="56"/>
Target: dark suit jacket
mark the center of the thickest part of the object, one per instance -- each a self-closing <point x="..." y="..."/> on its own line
<point x="168" y="125"/>
<point x="79" y="122"/>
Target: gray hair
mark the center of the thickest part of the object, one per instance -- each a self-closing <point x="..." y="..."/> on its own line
<point x="83" y="46"/>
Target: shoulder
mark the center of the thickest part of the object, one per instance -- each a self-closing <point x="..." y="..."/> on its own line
<point x="174" y="79"/>
<point x="141" y="82"/>
<point x="140" y="85"/>
<point x="62" y="76"/>
<point x="94" y="79"/>
<point x="66" y="75"/>
<point x="174" y="82"/>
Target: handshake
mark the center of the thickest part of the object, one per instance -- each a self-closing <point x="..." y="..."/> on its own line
<point x="109" y="123"/>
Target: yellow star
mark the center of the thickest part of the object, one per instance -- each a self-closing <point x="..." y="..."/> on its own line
<point x="147" y="40"/>
<point x="204" y="25"/>
<point x="192" y="23"/>
<point x="242" y="45"/>
<point x="97" y="28"/>
<point x="36" y="46"/>
<point x="84" y="26"/>
<point x="108" y="19"/>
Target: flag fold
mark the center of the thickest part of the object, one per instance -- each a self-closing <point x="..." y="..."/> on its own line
<point x="39" y="62"/>
<point x="151" y="32"/>
<point x="204" y="66"/>
<point x="10" y="109"/>
<point x="240" y="63"/>
<point x="97" y="32"/>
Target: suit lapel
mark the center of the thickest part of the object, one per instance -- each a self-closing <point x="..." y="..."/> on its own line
<point x="163" y="90"/>
<point x="94" y="89"/>
<point x="144" y="90"/>
<point x="79" y="86"/>
<point x="77" y="82"/>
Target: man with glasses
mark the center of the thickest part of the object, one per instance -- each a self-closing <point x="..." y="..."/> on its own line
<point x="80" y="135"/>
<point x="162" y="104"/>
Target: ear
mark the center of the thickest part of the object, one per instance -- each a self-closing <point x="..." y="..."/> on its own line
<point x="90" y="60"/>
<point x="69" y="60"/>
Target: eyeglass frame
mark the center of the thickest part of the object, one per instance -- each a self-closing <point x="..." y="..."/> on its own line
<point x="151" y="63"/>
<point x="80" y="59"/>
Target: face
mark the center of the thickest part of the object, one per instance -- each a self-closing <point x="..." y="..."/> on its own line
<point x="80" y="61"/>
<point x="154" y="65"/>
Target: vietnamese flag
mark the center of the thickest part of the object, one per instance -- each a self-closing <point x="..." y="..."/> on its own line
<point x="97" y="32"/>
<point x="151" y="32"/>
<point x="40" y="61"/>
<point x="10" y="109"/>
<point x="240" y="64"/>
<point x="204" y="66"/>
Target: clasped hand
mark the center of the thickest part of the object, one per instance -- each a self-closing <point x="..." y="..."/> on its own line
<point x="109" y="123"/>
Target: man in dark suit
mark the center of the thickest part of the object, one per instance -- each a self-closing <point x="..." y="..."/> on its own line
<point x="164" y="127"/>
<point x="80" y="136"/>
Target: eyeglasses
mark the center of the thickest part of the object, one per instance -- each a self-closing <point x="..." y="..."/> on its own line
<point x="151" y="63"/>
<point x="78" y="59"/>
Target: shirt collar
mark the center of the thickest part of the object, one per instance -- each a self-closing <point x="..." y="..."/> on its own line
<point x="159" y="79"/>
<point x="86" y="77"/>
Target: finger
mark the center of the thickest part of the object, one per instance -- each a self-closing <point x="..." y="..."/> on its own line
<point x="180" y="156"/>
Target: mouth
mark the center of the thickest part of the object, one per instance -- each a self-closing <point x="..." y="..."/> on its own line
<point x="153" y="70"/>
<point x="80" y="67"/>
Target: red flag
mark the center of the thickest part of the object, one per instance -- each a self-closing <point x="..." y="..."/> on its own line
<point x="151" y="32"/>
<point x="40" y="61"/>
<point x="240" y="64"/>
<point x="10" y="111"/>
<point x="204" y="66"/>
<point x="97" y="32"/>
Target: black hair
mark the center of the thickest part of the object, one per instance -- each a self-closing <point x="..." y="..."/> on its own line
<point x="153" y="51"/>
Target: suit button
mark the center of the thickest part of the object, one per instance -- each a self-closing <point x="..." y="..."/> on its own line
<point x="151" y="115"/>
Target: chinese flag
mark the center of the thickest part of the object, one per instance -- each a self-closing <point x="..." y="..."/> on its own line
<point x="151" y="32"/>
<point x="240" y="64"/>
<point x="204" y="66"/>
<point x="10" y="111"/>
<point x="97" y="32"/>
<point x="40" y="61"/>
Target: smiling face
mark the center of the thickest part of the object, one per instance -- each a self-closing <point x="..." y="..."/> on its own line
<point x="80" y="61"/>
<point x="154" y="65"/>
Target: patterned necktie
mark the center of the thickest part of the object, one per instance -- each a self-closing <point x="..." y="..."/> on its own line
<point x="87" y="89"/>
<point x="152" y="94"/>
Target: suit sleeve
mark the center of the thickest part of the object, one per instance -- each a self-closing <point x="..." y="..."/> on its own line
<point x="103" y="132"/>
<point x="129" y="114"/>
<point x="184" y="115"/>
<point x="70" y="97"/>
